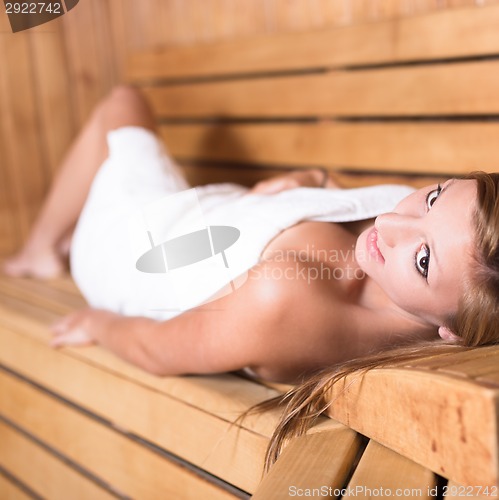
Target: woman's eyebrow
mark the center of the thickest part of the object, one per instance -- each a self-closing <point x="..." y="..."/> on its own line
<point x="447" y="186"/>
<point x="434" y="259"/>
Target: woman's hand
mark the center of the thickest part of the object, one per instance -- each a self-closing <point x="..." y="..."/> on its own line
<point x="313" y="177"/>
<point x="81" y="327"/>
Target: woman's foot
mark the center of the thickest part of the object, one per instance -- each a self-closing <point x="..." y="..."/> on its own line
<point x="64" y="245"/>
<point x="40" y="264"/>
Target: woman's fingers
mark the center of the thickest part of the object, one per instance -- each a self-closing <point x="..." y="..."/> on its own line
<point x="74" y="337"/>
<point x="312" y="177"/>
<point x="62" y="324"/>
<point x="71" y="330"/>
<point x="273" y="186"/>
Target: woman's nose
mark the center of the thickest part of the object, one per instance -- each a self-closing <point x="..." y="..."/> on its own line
<point x="394" y="228"/>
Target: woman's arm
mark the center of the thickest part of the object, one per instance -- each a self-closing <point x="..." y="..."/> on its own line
<point x="310" y="177"/>
<point x="230" y="333"/>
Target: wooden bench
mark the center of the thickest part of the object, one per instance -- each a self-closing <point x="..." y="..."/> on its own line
<point x="394" y="101"/>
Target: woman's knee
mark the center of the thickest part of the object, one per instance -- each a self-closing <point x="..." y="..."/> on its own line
<point x="125" y="92"/>
<point x="125" y="105"/>
<point x="126" y="97"/>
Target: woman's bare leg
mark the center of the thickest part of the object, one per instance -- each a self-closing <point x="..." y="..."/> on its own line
<point x="41" y="255"/>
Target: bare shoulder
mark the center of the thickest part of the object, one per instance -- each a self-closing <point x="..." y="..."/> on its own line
<point x="275" y="323"/>
<point x="311" y="325"/>
<point x="280" y="323"/>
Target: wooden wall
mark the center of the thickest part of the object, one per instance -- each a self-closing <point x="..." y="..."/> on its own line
<point x="52" y="76"/>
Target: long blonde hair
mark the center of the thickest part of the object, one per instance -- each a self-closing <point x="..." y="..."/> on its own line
<point x="476" y="324"/>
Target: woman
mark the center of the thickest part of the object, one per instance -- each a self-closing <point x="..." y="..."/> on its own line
<point x="398" y="281"/>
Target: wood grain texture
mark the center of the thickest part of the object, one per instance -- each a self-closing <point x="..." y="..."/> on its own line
<point x="43" y="472"/>
<point x="441" y="362"/>
<point x="51" y="85"/>
<point x="208" y="404"/>
<point x="207" y="21"/>
<point x="445" y="34"/>
<point x="218" y="447"/>
<point x="445" y="89"/>
<point x="25" y="168"/>
<point x="425" y="148"/>
<point x="126" y="465"/>
<point x="312" y="461"/>
<point x="89" y="56"/>
<point x="11" y="491"/>
<point x="120" y="29"/>
<point x="9" y="235"/>
<point x="442" y="434"/>
<point x="383" y="470"/>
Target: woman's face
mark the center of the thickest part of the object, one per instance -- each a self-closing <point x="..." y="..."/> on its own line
<point x="419" y="254"/>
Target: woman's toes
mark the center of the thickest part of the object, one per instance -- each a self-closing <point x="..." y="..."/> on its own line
<point x="15" y="266"/>
<point x="42" y="265"/>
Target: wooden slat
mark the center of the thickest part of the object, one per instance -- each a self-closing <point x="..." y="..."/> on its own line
<point x="9" y="231"/>
<point x="444" y="89"/>
<point x="489" y="378"/>
<point x="42" y="472"/>
<point x="383" y="470"/>
<point x="186" y="403"/>
<point x="193" y="21"/>
<point x="312" y="461"/>
<point x="446" y="34"/>
<point x="11" y="491"/>
<point x="425" y="148"/>
<point x="18" y="122"/>
<point x="206" y="174"/>
<point x="64" y="283"/>
<point x="10" y="234"/>
<point x="441" y="434"/>
<point x="350" y="179"/>
<point x="475" y="368"/>
<point x="53" y="97"/>
<point x="89" y="59"/>
<point x="443" y="361"/>
<point x="120" y="33"/>
<point x="129" y="467"/>
<point x="46" y="297"/>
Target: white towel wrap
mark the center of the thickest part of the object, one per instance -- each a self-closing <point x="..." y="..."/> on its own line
<point x="139" y="180"/>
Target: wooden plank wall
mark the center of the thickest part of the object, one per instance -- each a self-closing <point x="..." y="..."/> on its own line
<point x="53" y="75"/>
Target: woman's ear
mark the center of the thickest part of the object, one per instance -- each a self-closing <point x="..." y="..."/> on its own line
<point x="447" y="334"/>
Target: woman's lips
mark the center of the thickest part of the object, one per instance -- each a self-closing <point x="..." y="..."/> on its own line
<point x="372" y="245"/>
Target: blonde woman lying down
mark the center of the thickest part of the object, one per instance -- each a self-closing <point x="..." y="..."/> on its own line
<point x="329" y="275"/>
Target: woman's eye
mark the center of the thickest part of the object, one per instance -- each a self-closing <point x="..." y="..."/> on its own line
<point x="423" y="260"/>
<point x="432" y="196"/>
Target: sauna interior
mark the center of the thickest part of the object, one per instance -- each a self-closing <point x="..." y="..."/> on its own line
<point x="416" y="103"/>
